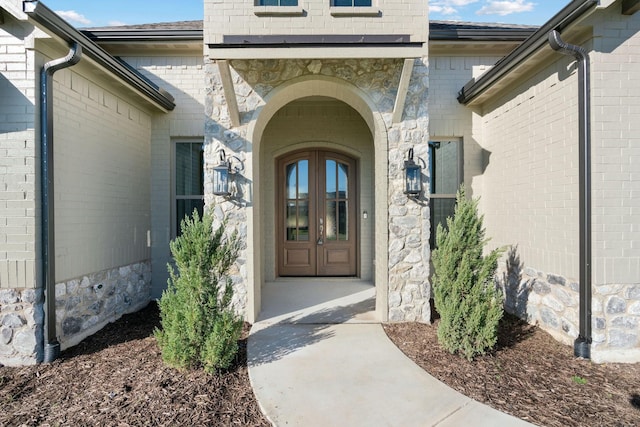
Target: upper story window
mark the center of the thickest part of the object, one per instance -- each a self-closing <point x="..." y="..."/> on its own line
<point x="351" y="3"/>
<point x="277" y="3"/>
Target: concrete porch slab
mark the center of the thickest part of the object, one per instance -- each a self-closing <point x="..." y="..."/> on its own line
<point x="318" y="300"/>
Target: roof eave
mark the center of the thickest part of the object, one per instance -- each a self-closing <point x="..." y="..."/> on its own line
<point x="128" y="36"/>
<point x="476" y="87"/>
<point x="44" y="16"/>
<point x="480" y="35"/>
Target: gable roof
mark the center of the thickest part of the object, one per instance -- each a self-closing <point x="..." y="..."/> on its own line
<point x="193" y="30"/>
<point x="52" y="23"/>
<point x="501" y="71"/>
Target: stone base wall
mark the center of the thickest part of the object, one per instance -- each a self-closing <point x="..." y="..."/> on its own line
<point x="85" y="305"/>
<point x="21" y="316"/>
<point x="552" y="302"/>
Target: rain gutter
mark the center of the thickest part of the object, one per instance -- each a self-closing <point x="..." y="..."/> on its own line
<point x="582" y="344"/>
<point x="536" y="41"/>
<point x="151" y="35"/>
<point x="51" y="344"/>
<point x="58" y="26"/>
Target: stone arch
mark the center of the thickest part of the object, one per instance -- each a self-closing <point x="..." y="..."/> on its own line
<point x="314" y="85"/>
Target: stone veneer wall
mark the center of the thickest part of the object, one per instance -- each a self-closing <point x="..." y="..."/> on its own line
<point x="86" y="304"/>
<point x="21" y="316"/>
<point x="408" y="227"/>
<point x="552" y="302"/>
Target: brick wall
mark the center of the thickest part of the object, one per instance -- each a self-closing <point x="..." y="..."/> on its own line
<point x="530" y="186"/>
<point x="616" y="147"/>
<point x="450" y="119"/>
<point x="239" y="17"/>
<point x="530" y="189"/>
<point x="102" y="175"/>
<point x="184" y="78"/>
<point x="18" y="158"/>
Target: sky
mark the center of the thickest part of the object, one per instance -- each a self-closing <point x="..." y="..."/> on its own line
<point x="92" y="13"/>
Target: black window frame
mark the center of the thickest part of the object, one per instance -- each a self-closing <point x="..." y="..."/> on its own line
<point x="434" y="196"/>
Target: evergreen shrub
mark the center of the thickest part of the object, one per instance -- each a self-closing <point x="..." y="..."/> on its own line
<point x="465" y="295"/>
<point x="199" y="325"/>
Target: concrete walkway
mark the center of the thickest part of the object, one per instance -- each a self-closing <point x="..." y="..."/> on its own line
<point x="307" y="369"/>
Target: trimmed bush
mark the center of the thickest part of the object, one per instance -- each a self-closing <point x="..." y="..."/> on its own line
<point x="465" y="295"/>
<point x="199" y="325"/>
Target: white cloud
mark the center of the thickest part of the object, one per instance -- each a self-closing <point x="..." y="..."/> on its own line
<point x="116" y="23"/>
<point x="444" y="10"/>
<point x="460" y="2"/>
<point x="506" y="7"/>
<point x="73" y="16"/>
<point x="448" y="7"/>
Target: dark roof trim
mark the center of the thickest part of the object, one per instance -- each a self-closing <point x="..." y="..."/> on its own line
<point x="537" y="40"/>
<point x="106" y="36"/>
<point x="192" y="31"/>
<point x="458" y="31"/>
<point x="46" y="17"/>
<point x="314" y="39"/>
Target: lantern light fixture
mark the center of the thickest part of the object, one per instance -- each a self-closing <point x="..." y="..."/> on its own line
<point x="224" y="173"/>
<point x="412" y="176"/>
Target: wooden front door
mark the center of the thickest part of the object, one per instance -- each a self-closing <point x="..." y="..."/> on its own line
<point x="316" y="215"/>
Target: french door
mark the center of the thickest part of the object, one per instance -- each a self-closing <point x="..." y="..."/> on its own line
<point x="316" y="215"/>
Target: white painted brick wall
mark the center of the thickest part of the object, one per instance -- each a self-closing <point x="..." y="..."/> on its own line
<point x="102" y="175"/>
<point x="227" y="17"/>
<point x="18" y="157"/>
<point x="184" y="78"/>
<point x="529" y="191"/>
<point x="447" y="117"/>
<point x="616" y="147"/>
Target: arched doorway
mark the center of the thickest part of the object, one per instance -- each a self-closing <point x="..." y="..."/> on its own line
<point x="316" y="219"/>
<point x="280" y="127"/>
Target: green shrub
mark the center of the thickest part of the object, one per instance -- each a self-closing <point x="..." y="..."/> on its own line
<point x="469" y="304"/>
<point x="199" y="326"/>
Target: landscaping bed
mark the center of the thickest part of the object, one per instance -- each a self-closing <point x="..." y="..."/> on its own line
<point x="116" y="377"/>
<point x="530" y="376"/>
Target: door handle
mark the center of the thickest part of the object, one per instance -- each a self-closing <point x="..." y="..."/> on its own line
<point x="321" y="230"/>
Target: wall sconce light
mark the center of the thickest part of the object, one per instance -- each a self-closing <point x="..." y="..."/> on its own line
<point x="224" y="173"/>
<point x="412" y="177"/>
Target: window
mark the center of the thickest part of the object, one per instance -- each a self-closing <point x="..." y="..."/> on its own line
<point x="351" y="3"/>
<point x="277" y="3"/>
<point x="445" y="170"/>
<point x="189" y="181"/>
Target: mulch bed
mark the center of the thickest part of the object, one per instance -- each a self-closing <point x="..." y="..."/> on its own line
<point x="530" y="376"/>
<point x="116" y="378"/>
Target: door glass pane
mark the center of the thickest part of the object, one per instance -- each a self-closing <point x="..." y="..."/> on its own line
<point x="292" y="180"/>
<point x="303" y="220"/>
<point x="331" y="184"/>
<point x="303" y="179"/>
<point x="331" y="227"/>
<point x="291" y="221"/>
<point x="343" y="183"/>
<point x="342" y="221"/>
